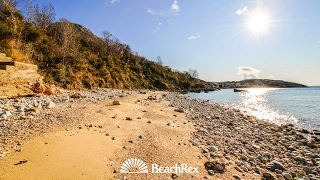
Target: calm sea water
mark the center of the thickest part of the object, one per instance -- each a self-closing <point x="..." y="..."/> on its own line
<point x="299" y="106"/>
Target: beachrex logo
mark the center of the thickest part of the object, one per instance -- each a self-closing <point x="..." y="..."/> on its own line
<point x="135" y="165"/>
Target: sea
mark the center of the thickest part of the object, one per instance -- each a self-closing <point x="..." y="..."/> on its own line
<point x="298" y="106"/>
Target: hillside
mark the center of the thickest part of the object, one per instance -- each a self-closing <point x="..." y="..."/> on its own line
<point x="260" y="83"/>
<point x="71" y="56"/>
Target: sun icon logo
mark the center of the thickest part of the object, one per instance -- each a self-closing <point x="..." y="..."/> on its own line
<point x="134" y="165"/>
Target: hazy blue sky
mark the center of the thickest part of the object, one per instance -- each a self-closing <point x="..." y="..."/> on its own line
<point x="222" y="39"/>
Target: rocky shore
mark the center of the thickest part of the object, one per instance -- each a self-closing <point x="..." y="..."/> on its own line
<point x="227" y="137"/>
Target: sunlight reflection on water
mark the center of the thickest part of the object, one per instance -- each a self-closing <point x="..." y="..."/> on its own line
<point x="255" y="102"/>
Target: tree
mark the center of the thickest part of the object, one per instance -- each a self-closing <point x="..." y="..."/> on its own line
<point x="41" y="18"/>
<point x="159" y="61"/>
<point x="193" y="73"/>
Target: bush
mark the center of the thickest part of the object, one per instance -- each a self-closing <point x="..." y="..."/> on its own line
<point x="31" y="34"/>
<point x="5" y="31"/>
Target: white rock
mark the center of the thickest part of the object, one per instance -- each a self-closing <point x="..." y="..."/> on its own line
<point x="51" y="105"/>
<point x="8" y="113"/>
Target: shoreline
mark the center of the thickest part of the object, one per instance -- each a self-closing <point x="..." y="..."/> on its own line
<point x="231" y="144"/>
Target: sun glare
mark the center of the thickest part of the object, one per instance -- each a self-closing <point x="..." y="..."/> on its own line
<point x="258" y="22"/>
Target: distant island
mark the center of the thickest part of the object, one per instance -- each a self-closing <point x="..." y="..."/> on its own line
<point x="257" y="83"/>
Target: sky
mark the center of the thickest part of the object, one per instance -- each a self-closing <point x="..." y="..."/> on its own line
<point x="224" y="40"/>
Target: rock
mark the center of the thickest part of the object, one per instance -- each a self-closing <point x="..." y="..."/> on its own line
<point x="169" y="124"/>
<point x="149" y="122"/>
<point x="304" y="131"/>
<point x="39" y="87"/>
<point x="116" y="102"/>
<point x="301" y="172"/>
<point x="50" y="90"/>
<point x="287" y="175"/>
<point x="114" y="138"/>
<point x="255" y="146"/>
<point x="77" y="96"/>
<point x="139" y="117"/>
<point x="272" y="166"/>
<point x="125" y="147"/>
<point x="128" y="118"/>
<point x="268" y="176"/>
<point x="141" y="137"/>
<point x="211" y="172"/>
<point x="51" y="105"/>
<point x="238" y="169"/>
<point x="4" y="117"/>
<point x="216" y="165"/>
<point x="213" y="149"/>
<point x="174" y="175"/>
<point x="180" y="109"/>
<point x="130" y="141"/>
<point x="236" y="176"/>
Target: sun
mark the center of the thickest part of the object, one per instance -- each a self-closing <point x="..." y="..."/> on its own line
<point x="258" y="22"/>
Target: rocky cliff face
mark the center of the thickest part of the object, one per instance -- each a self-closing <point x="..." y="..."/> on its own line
<point x="16" y="79"/>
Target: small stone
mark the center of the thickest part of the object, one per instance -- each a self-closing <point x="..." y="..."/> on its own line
<point x="128" y="118"/>
<point x="238" y="169"/>
<point x="287" y="176"/>
<point x="272" y="166"/>
<point x="119" y="126"/>
<point x="125" y="147"/>
<point x="181" y="110"/>
<point x="130" y="141"/>
<point x="268" y="176"/>
<point x="169" y="124"/>
<point x="301" y="172"/>
<point x="144" y="111"/>
<point x="149" y="122"/>
<point x="51" y="105"/>
<point x="116" y="102"/>
<point x="236" y="176"/>
<point x="8" y="113"/>
<point x="213" y="149"/>
<point x="4" y="117"/>
<point x="139" y="117"/>
<point x="141" y="137"/>
<point x="175" y="175"/>
<point x="211" y="172"/>
<point x="206" y="177"/>
<point x="115" y="171"/>
<point x="107" y="134"/>
<point x="114" y="138"/>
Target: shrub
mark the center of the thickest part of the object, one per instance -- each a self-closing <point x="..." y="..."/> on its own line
<point x="5" y="31"/>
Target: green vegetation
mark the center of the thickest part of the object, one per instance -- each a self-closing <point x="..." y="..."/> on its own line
<point x="69" y="55"/>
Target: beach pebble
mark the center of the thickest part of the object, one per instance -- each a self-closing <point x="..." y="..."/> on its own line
<point x="128" y="118"/>
<point x="211" y="172"/>
<point x="116" y="102"/>
<point x="175" y="175"/>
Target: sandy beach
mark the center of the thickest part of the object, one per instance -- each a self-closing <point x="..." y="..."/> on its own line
<point x="92" y="139"/>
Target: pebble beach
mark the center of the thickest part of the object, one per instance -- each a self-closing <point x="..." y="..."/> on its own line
<point x="224" y="142"/>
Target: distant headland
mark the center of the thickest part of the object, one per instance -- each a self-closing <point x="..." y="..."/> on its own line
<point x="258" y="83"/>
